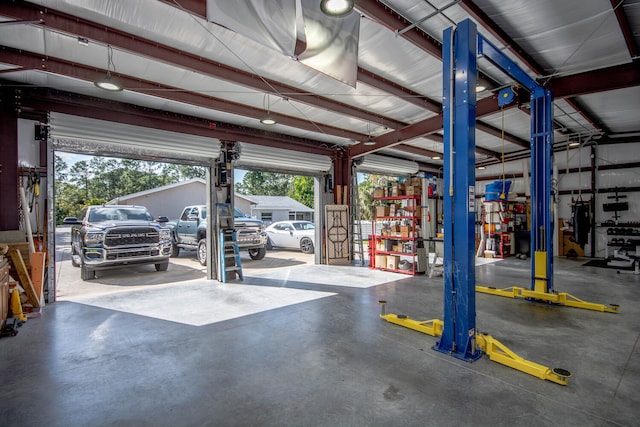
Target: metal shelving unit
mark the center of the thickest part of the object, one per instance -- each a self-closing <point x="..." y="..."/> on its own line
<point x="396" y="231"/>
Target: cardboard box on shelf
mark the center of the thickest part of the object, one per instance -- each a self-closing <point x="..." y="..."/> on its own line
<point x="395" y="228"/>
<point x="413" y="190"/>
<point x="405" y="231"/>
<point x="381" y="261"/>
<point x="378" y="192"/>
<point x="416" y="182"/>
<point x="397" y="189"/>
<point x="395" y="248"/>
<point x="382" y="210"/>
<point x="393" y="261"/>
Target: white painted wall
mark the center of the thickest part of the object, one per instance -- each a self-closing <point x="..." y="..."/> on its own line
<point x="170" y="202"/>
<point x="581" y="158"/>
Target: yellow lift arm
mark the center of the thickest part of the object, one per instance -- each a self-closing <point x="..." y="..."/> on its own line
<point x="560" y="298"/>
<point x="539" y="292"/>
<point x="493" y="348"/>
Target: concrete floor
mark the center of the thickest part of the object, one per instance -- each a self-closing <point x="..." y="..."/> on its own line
<point x="311" y="351"/>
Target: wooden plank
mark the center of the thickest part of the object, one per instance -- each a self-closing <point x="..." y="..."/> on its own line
<point x="23" y="247"/>
<point x="37" y="274"/>
<point x="27" y="220"/>
<point x="23" y="276"/>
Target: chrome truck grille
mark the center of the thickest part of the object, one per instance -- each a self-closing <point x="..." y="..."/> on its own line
<point x="131" y="236"/>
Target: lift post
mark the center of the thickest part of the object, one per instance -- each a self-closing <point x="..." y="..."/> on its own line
<point x="457" y="333"/>
<point x="459" y="109"/>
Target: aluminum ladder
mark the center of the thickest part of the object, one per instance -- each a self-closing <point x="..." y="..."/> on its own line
<point x="355" y="237"/>
<point x="230" y="263"/>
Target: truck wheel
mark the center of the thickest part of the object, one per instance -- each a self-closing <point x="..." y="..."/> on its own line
<point x="175" y="250"/>
<point x="306" y="246"/>
<point x="257" y="254"/>
<point x="86" y="273"/>
<point x="202" y="251"/>
<point x="75" y="258"/>
<point x="163" y="266"/>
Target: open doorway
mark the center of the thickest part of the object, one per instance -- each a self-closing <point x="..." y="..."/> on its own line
<point x="111" y="193"/>
<point x="285" y="204"/>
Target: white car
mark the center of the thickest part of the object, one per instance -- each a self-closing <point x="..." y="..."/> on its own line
<point x="292" y="234"/>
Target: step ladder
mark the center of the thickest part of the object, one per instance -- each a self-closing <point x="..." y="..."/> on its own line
<point x="355" y="236"/>
<point x="230" y="264"/>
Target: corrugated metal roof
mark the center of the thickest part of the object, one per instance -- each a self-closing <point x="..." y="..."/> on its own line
<point x="174" y="60"/>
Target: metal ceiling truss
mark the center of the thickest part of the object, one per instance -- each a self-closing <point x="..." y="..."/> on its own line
<point x="71" y="25"/>
<point x="568" y="86"/>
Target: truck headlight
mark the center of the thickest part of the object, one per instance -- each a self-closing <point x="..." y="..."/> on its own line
<point x="94" y="237"/>
<point x="165" y="234"/>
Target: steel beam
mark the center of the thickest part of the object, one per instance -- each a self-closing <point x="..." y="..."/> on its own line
<point x="603" y="79"/>
<point x="627" y="31"/>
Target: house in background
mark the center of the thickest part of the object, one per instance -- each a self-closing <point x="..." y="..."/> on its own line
<point x="278" y="208"/>
<point x="170" y="200"/>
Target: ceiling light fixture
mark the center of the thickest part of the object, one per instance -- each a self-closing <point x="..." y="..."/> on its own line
<point x="436" y="157"/>
<point x="482" y="84"/>
<point x="481" y="168"/>
<point x="336" y="7"/>
<point x="108" y="82"/>
<point x="267" y="119"/>
<point x="369" y="141"/>
<point x="574" y="143"/>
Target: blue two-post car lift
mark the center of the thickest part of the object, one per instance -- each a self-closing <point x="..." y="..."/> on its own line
<point x="458" y="334"/>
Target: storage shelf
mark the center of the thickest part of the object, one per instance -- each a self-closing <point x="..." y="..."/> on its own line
<point x="410" y="204"/>
<point x="391" y="198"/>
<point x="503" y="214"/>
<point x="395" y="237"/>
<point x="409" y="254"/>
<point x="381" y="218"/>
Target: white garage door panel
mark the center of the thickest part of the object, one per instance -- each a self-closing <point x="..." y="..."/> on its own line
<point x="279" y="160"/>
<point x="381" y="165"/>
<point x="92" y="136"/>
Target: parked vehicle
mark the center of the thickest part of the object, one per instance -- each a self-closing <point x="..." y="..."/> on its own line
<point x="111" y="236"/>
<point x="292" y="234"/>
<point x="190" y="232"/>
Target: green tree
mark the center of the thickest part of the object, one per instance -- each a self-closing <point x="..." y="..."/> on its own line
<point x="79" y="175"/>
<point x="301" y="189"/>
<point x="264" y="184"/>
<point x="60" y="168"/>
<point x="365" y="197"/>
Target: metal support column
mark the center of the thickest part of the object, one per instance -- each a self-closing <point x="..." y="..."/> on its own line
<point x="541" y="215"/>
<point x="459" y="107"/>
